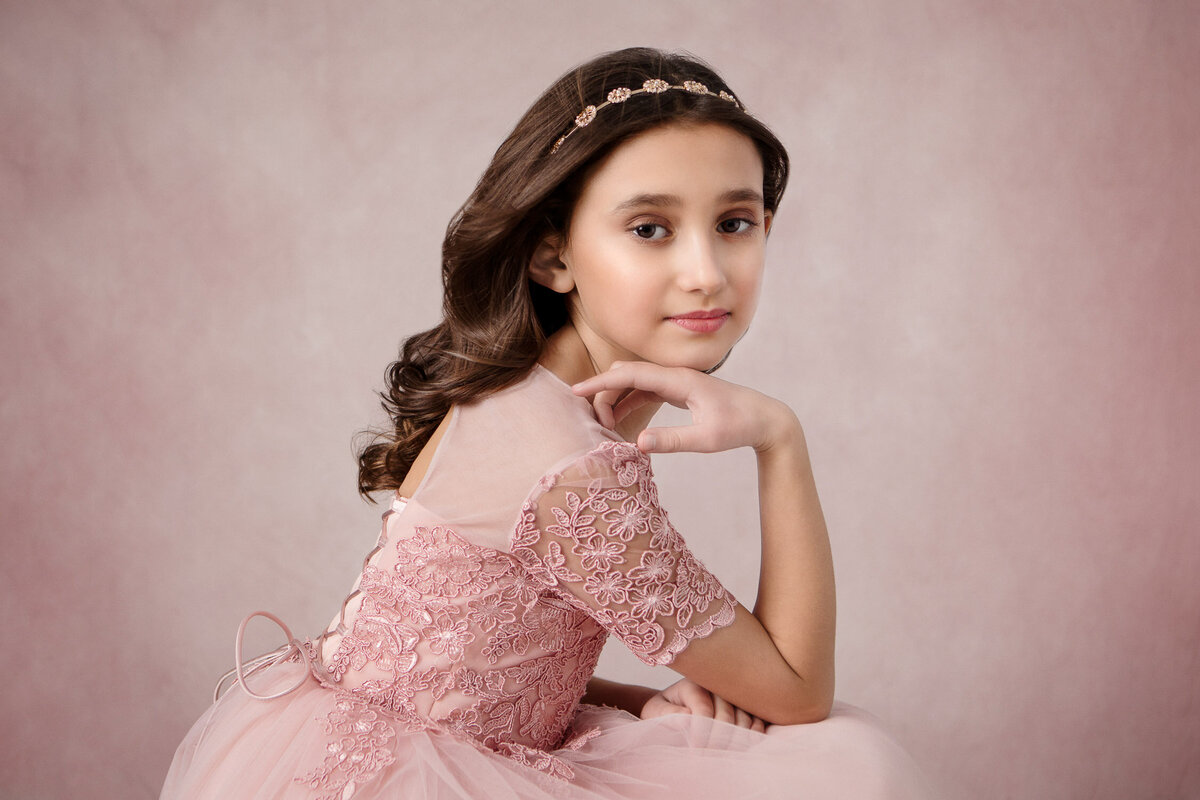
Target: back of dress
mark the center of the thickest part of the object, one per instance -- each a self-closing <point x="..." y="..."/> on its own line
<point x="495" y="451"/>
<point x="446" y="627"/>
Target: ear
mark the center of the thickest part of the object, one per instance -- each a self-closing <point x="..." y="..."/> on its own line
<point x="768" y="218"/>
<point x="546" y="266"/>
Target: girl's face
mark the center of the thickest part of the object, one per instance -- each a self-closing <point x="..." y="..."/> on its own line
<point x="666" y="247"/>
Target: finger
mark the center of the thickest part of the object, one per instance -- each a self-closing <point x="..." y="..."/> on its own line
<point x="742" y="718"/>
<point x="631" y="402"/>
<point x="600" y="382"/>
<point x="698" y="700"/>
<point x="670" y="383"/>
<point x="671" y="707"/>
<point x="679" y="439"/>
<point x="725" y="712"/>
<point x="613" y="405"/>
<point x="660" y="706"/>
<point x="659" y="440"/>
<point x="758" y="725"/>
<point x="603" y="403"/>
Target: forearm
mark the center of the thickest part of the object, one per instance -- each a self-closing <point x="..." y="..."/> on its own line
<point x="796" y="602"/>
<point x="626" y="696"/>
<point x="777" y="661"/>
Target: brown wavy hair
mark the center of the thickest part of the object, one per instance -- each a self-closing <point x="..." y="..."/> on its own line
<point x="496" y="320"/>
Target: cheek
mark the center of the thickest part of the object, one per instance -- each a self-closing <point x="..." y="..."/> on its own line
<point x="750" y="276"/>
<point x="611" y="278"/>
<point x="603" y="290"/>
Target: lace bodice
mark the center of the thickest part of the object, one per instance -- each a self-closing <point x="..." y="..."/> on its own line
<point x="493" y="634"/>
<point x="464" y="636"/>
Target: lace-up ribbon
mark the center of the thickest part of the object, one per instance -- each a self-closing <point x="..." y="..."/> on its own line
<point x="244" y="669"/>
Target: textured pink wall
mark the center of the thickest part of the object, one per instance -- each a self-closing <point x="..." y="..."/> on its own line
<point x="218" y="219"/>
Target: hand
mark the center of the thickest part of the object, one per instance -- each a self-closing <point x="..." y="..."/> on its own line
<point x="687" y="697"/>
<point x="724" y="415"/>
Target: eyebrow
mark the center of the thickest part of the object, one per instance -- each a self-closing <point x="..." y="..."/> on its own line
<point x="669" y="200"/>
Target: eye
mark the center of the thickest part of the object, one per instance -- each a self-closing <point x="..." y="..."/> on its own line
<point x="649" y="231"/>
<point x="735" y="225"/>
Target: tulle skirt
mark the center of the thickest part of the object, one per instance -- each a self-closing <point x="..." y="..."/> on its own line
<point x="246" y="748"/>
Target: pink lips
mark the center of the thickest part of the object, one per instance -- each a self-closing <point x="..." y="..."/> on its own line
<point x="702" y="321"/>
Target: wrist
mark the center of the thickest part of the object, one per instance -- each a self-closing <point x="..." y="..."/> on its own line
<point x="625" y="696"/>
<point x="782" y="429"/>
<point x="640" y="697"/>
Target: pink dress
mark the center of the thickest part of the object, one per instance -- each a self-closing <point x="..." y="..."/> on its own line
<point x="455" y="668"/>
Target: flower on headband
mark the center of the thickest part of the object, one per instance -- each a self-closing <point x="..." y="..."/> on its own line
<point x="621" y="94"/>
<point x="585" y="116"/>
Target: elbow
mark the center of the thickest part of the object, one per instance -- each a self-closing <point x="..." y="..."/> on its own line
<point x="804" y="714"/>
<point x="815" y="712"/>
<point x="806" y="704"/>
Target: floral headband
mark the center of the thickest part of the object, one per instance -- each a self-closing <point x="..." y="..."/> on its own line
<point x="652" y="86"/>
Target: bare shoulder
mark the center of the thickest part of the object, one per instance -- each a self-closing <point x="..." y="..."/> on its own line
<point x="420" y="465"/>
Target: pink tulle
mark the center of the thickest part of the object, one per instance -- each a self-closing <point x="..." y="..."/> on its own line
<point x="243" y="748"/>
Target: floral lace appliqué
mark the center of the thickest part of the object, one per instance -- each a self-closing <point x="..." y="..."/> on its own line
<point x="357" y="749"/>
<point x="608" y="547"/>
<point x="460" y="638"/>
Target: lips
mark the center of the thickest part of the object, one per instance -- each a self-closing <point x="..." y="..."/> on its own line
<point x="702" y="321"/>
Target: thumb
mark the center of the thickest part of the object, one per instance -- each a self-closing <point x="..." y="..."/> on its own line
<point x="660" y="440"/>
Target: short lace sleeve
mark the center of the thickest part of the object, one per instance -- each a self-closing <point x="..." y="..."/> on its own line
<point x="596" y="532"/>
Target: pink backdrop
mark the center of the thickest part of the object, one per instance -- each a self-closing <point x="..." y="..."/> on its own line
<point x="217" y="220"/>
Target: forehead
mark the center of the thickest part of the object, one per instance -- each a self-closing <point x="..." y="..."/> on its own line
<point x="697" y="163"/>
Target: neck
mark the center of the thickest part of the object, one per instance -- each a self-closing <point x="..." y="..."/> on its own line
<point x="568" y="356"/>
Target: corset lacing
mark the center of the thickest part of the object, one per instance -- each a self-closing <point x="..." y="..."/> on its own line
<point x="244" y="668"/>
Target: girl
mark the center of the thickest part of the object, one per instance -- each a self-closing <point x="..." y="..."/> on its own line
<point x="608" y="260"/>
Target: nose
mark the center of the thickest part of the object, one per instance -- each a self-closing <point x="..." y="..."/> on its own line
<point x="700" y="267"/>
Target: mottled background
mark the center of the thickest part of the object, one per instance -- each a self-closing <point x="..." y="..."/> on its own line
<point x="217" y="220"/>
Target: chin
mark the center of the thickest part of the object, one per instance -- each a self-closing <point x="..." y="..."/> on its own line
<point x="707" y="363"/>
<point x="719" y="364"/>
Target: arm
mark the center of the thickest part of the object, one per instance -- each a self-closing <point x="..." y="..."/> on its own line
<point x="625" y="696"/>
<point x="682" y="697"/>
<point x="777" y="663"/>
<point x="796" y="602"/>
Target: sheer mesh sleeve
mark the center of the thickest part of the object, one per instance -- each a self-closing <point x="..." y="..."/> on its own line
<point x="596" y="532"/>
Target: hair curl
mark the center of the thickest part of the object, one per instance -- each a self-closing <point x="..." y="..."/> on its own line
<point x="495" y="319"/>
